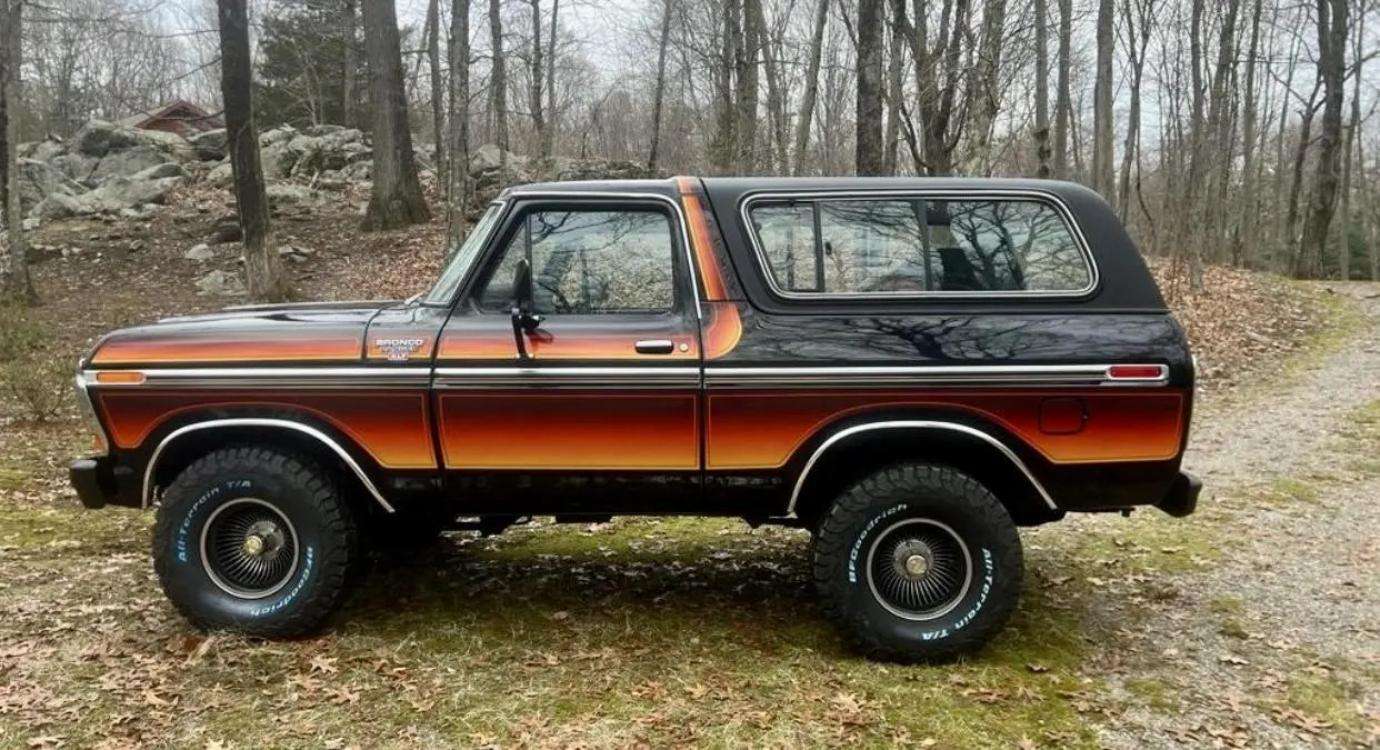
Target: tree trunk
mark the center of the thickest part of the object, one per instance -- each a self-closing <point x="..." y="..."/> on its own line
<point x="549" y="132"/>
<point x="263" y="269"/>
<point x="985" y="101"/>
<point x="1102" y="180"/>
<point x="396" y="200"/>
<point x="660" y="96"/>
<point x="538" y="119"/>
<point x="747" y="90"/>
<point x="868" y="152"/>
<point x="776" y="105"/>
<point x="1063" y="98"/>
<point x="805" y="120"/>
<point x="1192" y="245"/>
<point x="458" y="188"/>
<point x="1219" y="130"/>
<point x="1352" y="144"/>
<point x="438" y="105"/>
<point x="1250" y="229"/>
<point x="724" y="146"/>
<point x="1041" y="133"/>
<point x="1139" y="16"/>
<point x="1332" y="43"/>
<point x="348" y="34"/>
<point x="498" y="89"/>
<point x="18" y="285"/>
<point x="895" y="85"/>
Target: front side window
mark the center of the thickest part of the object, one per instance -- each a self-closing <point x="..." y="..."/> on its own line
<point x="589" y="262"/>
<point x="860" y="246"/>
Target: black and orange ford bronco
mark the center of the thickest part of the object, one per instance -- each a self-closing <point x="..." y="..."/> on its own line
<point x="910" y="369"/>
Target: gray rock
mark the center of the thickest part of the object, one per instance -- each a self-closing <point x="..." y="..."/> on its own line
<point x="223" y="175"/>
<point x="287" y="194"/>
<point x="61" y="206"/>
<point x="100" y="139"/>
<point x="202" y="252"/>
<point x="38" y="180"/>
<point x="360" y="171"/>
<point x="78" y="167"/>
<point x="158" y="172"/>
<point x="487" y="158"/>
<point x="41" y="150"/>
<point x="296" y="254"/>
<point x="280" y="134"/>
<point x="210" y="145"/>
<point x="221" y="284"/>
<point x="128" y="162"/>
<point x="320" y="130"/>
<point x="123" y="192"/>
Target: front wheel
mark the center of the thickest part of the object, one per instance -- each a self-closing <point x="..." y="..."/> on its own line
<point x="256" y="541"/>
<point x="918" y="562"/>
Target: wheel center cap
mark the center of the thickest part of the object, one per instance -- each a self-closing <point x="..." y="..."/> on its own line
<point x="917" y="565"/>
<point x="253" y="545"/>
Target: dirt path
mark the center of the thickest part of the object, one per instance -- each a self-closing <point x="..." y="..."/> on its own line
<point x="1276" y="641"/>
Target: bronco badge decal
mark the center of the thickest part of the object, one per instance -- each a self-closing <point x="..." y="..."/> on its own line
<point x="398" y="350"/>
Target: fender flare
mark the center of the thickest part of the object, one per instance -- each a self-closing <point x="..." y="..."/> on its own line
<point x="916" y="424"/>
<point x="280" y="424"/>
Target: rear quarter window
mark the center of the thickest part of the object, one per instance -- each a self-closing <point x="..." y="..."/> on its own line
<point x="917" y="245"/>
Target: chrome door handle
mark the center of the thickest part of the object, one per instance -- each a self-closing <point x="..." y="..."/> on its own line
<point x="655" y="346"/>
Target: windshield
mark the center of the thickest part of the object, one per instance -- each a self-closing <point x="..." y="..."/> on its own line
<point x="461" y="258"/>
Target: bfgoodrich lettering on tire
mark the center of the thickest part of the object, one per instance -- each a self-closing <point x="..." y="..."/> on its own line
<point x="257" y="541"/>
<point x="918" y="562"/>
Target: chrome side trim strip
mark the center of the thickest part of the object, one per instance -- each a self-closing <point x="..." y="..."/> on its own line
<point x="577" y="195"/>
<point x="257" y="422"/>
<point x="453" y="378"/>
<point x="764" y="267"/>
<point x="1003" y="375"/>
<point x="916" y="424"/>
<point x="276" y="377"/>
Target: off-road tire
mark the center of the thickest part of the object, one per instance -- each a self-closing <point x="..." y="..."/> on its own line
<point x="916" y="495"/>
<point x="328" y="555"/>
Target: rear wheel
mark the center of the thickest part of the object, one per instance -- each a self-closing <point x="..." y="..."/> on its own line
<point x="918" y="562"/>
<point x="257" y="541"/>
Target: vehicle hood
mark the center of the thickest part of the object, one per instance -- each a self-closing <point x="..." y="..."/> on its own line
<point x="306" y="333"/>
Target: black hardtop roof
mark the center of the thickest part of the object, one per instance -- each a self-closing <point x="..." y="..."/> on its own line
<point x="1125" y="283"/>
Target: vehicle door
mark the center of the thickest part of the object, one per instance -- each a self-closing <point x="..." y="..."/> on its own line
<point x="584" y="396"/>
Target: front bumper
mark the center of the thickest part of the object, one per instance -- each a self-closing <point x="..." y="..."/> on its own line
<point x="1182" y="498"/>
<point x="99" y="482"/>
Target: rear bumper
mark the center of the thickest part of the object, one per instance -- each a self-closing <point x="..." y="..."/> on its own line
<point x="99" y="482"/>
<point x="1182" y="498"/>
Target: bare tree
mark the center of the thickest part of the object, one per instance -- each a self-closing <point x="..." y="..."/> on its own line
<point x="458" y="188"/>
<point x="498" y="86"/>
<point x="805" y="118"/>
<point x="438" y="112"/>
<point x="1102" y="180"/>
<point x="868" y="155"/>
<point x="1140" y="19"/>
<point x="1063" y="100"/>
<point x="984" y="97"/>
<point x="747" y="91"/>
<point x="660" y="95"/>
<point x="1250" y="226"/>
<point x="1352" y="143"/>
<point x="1332" y="43"/>
<point x="263" y="269"/>
<point x="396" y="200"/>
<point x="1041" y="133"/>
<point x="18" y="284"/>
<point x="535" y="101"/>
<point x="895" y="84"/>
<point x="349" y="32"/>
<point x="549" y="132"/>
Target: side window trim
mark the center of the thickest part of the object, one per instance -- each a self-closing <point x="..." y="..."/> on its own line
<point x="921" y="196"/>
<point x="523" y="204"/>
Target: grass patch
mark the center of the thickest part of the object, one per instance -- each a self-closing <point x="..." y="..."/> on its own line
<point x="1322" y="697"/>
<point x="1292" y="491"/>
<point x="1154" y="693"/>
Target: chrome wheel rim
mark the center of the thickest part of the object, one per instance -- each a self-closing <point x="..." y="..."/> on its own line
<point x="919" y="569"/>
<point x="249" y="548"/>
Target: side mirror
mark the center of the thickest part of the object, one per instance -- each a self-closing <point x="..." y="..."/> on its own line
<point x="524" y="320"/>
